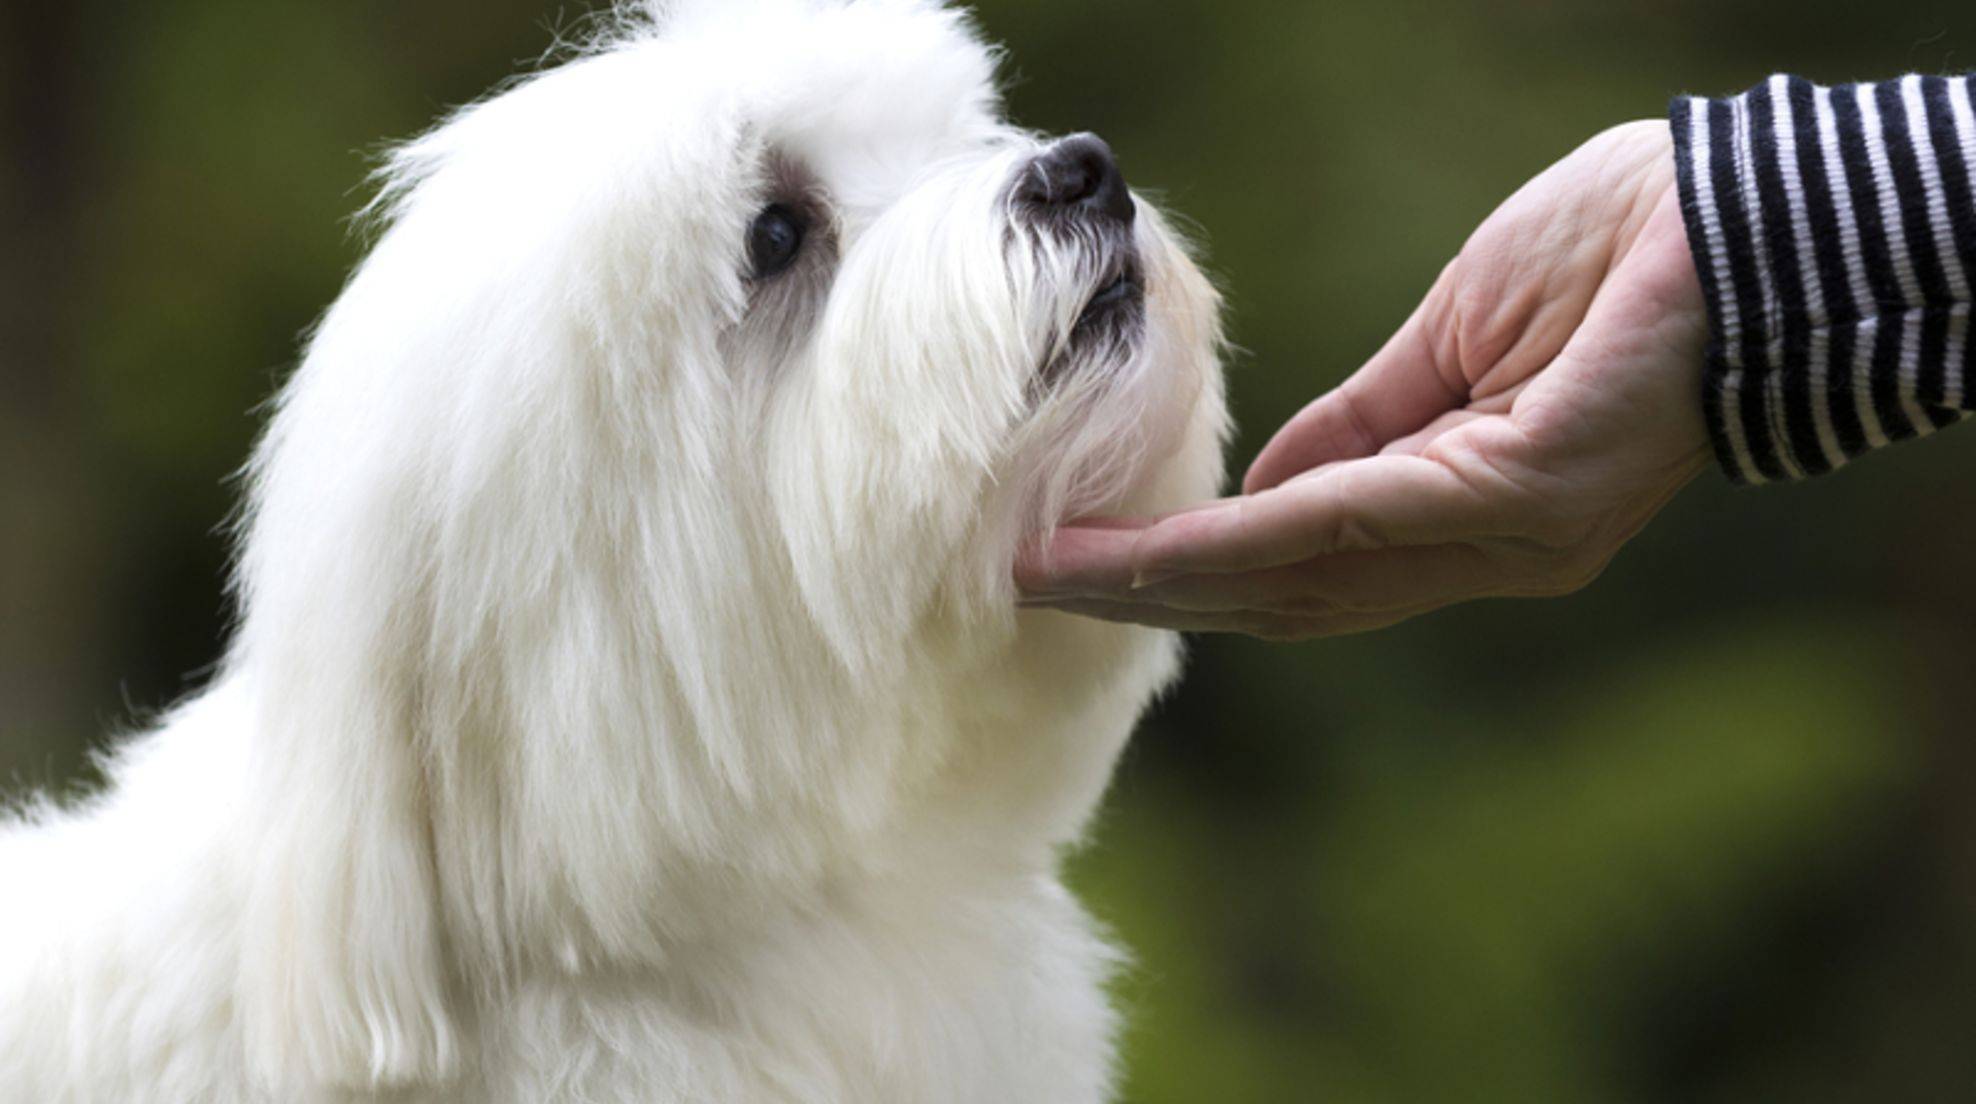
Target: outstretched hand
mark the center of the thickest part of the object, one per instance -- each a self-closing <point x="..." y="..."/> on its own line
<point x="1538" y="408"/>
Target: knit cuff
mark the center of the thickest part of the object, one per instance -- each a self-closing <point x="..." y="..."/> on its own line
<point x="1834" y="231"/>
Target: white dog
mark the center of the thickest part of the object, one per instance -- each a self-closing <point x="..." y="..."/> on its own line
<point x="629" y="700"/>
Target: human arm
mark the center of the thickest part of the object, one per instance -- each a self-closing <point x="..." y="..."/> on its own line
<point x="1541" y="404"/>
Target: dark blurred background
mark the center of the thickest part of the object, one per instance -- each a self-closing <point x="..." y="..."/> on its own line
<point x="1703" y="832"/>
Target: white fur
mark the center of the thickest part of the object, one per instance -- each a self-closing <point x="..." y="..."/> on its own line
<point x="629" y="701"/>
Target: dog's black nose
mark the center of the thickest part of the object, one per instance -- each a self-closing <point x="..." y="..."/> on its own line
<point x="1078" y="174"/>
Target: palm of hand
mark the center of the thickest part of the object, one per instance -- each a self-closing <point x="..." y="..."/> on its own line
<point x="1538" y="408"/>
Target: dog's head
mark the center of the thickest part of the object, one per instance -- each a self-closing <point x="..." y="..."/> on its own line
<point x="672" y="448"/>
<point x="782" y="264"/>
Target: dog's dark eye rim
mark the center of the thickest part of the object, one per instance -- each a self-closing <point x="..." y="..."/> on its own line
<point x="775" y="239"/>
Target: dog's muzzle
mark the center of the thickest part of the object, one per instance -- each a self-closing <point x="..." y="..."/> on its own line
<point x="1075" y="191"/>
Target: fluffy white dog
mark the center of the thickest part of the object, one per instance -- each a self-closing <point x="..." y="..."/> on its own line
<point x="629" y="700"/>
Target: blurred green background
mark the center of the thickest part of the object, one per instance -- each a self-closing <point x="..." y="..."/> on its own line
<point x="1703" y="832"/>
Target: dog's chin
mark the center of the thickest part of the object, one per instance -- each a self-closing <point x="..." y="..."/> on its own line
<point x="1110" y="408"/>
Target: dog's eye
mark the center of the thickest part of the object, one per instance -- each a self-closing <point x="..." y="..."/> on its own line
<point x="774" y="240"/>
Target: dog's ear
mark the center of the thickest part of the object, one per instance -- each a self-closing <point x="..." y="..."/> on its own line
<point x="344" y="975"/>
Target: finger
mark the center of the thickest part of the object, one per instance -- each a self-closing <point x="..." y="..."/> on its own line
<point x="1359" y="505"/>
<point x="1496" y="405"/>
<point x="1415" y="443"/>
<point x="1346" y="624"/>
<point x="1404" y="386"/>
<point x="1119" y="522"/>
<point x="1087" y="555"/>
<point x="1081" y="558"/>
<point x="1344" y="583"/>
<point x="1263" y="626"/>
<point x="1154" y="615"/>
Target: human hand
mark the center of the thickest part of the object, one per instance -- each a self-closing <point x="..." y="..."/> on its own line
<point x="1538" y="408"/>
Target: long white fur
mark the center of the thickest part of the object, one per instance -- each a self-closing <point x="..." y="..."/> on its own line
<point x="629" y="701"/>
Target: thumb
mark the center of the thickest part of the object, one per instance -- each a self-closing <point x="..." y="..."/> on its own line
<point x="1401" y="389"/>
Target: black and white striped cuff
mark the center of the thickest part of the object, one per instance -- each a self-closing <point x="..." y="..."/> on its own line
<point x="1834" y="230"/>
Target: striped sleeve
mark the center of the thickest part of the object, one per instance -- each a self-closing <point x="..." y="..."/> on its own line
<point x="1834" y="231"/>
